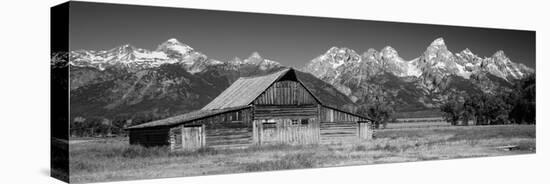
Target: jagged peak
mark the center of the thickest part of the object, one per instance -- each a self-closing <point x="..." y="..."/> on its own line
<point x="173" y="41"/>
<point x="389" y="51"/>
<point x="175" y="45"/>
<point x="371" y="50"/>
<point x="126" y="46"/>
<point x="122" y="49"/>
<point x="388" y="48"/>
<point x="500" y="54"/>
<point x="438" y="42"/>
<point x="467" y="51"/>
<point x="334" y="50"/>
<point x="255" y="54"/>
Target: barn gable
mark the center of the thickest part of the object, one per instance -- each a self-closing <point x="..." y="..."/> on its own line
<point x="243" y="91"/>
<point x="247" y="89"/>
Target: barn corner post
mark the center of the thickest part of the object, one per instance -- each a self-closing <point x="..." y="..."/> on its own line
<point x="256" y="132"/>
<point x="203" y="136"/>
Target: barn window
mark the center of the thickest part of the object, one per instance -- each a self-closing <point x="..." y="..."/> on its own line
<point x="269" y="124"/>
<point x="235" y="116"/>
<point x="294" y="122"/>
<point x="304" y="121"/>
<point x="177" y="137"/>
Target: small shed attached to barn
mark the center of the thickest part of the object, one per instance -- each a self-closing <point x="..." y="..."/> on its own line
<point x="278" y="108"/>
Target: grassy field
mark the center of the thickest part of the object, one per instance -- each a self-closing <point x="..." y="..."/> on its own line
<point x="113" y="159"/>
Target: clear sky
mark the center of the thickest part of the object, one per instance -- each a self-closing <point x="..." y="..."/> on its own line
<point x="291" y="40"/>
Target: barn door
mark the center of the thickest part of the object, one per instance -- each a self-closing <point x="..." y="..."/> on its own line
<point x="286" y="131"/>
<point x="193" y="137"/>
<point x="365" y="130"/>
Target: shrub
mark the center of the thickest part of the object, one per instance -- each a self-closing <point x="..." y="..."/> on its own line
<point x="361" y="148"/>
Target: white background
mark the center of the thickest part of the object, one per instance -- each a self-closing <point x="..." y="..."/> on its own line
<point x="24" y="98"/>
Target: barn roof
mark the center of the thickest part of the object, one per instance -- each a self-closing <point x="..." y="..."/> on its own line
<point x="244" y="91"/>
<point x="190" y="116"/>
<point x="325" y="93"/>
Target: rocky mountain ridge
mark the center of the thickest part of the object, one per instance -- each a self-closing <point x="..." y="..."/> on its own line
<point x="423" y="82"/>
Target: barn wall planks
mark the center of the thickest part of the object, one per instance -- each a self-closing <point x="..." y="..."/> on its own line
<point x="158" y="136"/>
<point x="235" y="129"/>
<point x="227" y="120"/>
<point x="193" y="138"/>
<point x="338" y="131"/>
<point x="227" y="130"/>
<point x="229" y="137"/>
<point x="366" y="130"/>
<point x="332" y="115"/>
<point x="272" y="111"/>
<point x="286" y="131"/>
<point x="285" y="93"/>
<point x="176" y="138"/>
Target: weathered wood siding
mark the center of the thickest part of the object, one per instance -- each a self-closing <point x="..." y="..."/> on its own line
<point x="285" y="93"/>
<point x="237" y="135"/>
<point x="187" y="138"/>
<point x="176" y="138"/>
<point x="338" y="131"/>
<point x="227" y="130"/>
<point x="338" y="126"/>
<point x="366" y="130"/>
<point x="332" y="115"/>
<point x="238" y="116"/>
<point x="286" y="131"/>
<point x="157" y="136"/>
<point x="287" y="111"/>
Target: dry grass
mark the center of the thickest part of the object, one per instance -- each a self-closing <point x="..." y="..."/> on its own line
<point x="114" y="159"/>
<point x="430" y="124"/>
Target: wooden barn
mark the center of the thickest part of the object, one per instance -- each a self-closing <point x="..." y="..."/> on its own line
<point x="278" y="108"/>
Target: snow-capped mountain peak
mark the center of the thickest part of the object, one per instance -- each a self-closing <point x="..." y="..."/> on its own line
<point x="501" y="56"/>
<point x="338" y="56"/>
<point x="235" y="61"/>
<point x="438" y="42"/>
<point x="255" y="54"/>
<point x="173" y="41"/>
<point x="256" y="59"/>
<point x="390" y="53"/>
<point x="133" y="58"/>
<point x="174" y="48"/>
<point x="468" y="52"/>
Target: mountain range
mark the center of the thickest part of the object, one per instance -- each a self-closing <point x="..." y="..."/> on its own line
<point x="134" y="83"/>
<point x="421" y="83"/>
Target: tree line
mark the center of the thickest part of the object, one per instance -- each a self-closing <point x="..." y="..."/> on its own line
<point x="513" y="106"/>
<point x="103" y="126"/>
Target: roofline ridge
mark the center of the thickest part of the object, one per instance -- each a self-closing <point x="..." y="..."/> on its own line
<point x="255" y="76"/>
